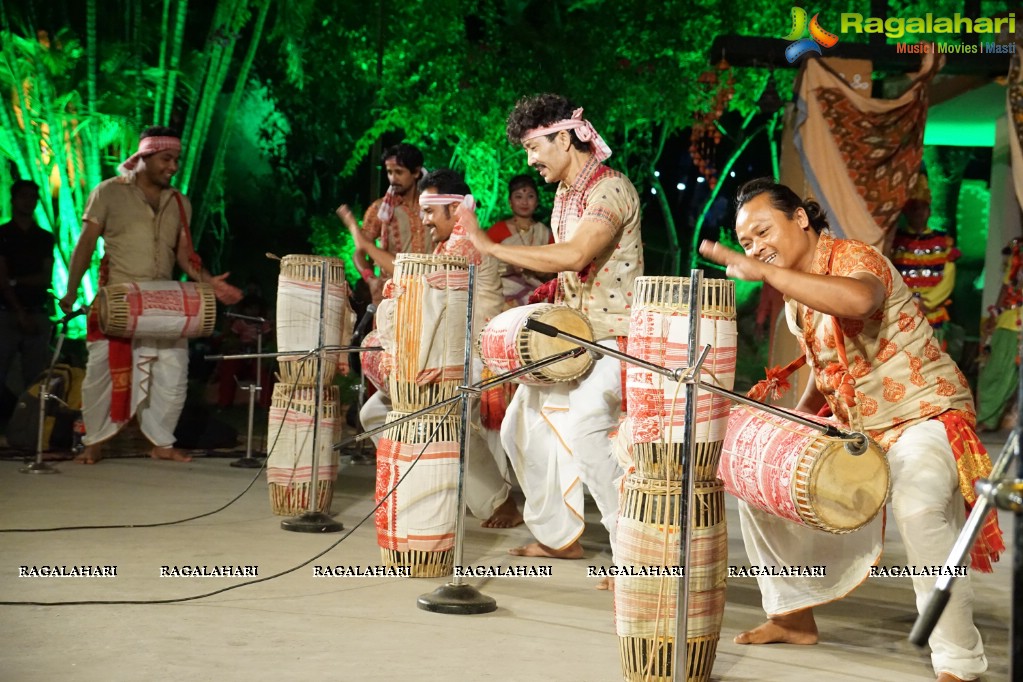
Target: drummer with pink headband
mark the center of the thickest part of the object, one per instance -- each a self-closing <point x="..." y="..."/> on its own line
<point x="443" y="194"/>
<point x="144" y="223"/>
<point x="557" y="436"/>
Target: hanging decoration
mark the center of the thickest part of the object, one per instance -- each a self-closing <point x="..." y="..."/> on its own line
<point x="719" y="85"/>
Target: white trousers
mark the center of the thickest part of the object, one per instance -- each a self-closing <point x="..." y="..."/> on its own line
<point x="486" y="485"/>
<point x="557" y="438"/>
<point x="929" y="512"/>
<point x="159" y="386"/>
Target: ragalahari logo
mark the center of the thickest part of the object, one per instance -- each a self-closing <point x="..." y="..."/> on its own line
<point x="818" y="36"/>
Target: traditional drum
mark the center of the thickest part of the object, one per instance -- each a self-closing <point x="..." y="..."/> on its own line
<point x="430" y="294"/>
<point x="376" y="365"/>
<point x="299" y="316"/>
<point x="416" y="522"/>
<point x="645" y="605"/>
<point x="157" y="310"/>
<point x="659" y="333"/>
<point x="290" y="434"/>
<point x="505" y="344"/>
<point x="794" y="472"/>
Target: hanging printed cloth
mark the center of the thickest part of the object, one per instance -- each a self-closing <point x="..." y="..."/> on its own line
<point x="861" y="155"/>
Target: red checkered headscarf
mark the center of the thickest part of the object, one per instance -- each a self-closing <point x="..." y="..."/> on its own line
<point x="147" y="147"/>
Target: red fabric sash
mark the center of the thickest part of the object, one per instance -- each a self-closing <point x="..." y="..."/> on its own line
<point x="118" y="357"/>
<point x="494" y="402"/>
<point x="973" y="462"/>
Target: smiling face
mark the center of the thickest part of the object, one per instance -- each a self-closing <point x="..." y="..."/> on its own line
<point x="440" y="220"/>
<point x="523" y="202"/>
<point x="550" y="158"/>
<point x="160" y="167"/>
<point x="767" y="234"/>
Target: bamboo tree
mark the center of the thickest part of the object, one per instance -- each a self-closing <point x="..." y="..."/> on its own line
<point x="158" y="95"/>
<point x="92" y="168"/>
<point x="228" y="19"/>
<point x="214" y="181"/>
<point x="176" y="43"/>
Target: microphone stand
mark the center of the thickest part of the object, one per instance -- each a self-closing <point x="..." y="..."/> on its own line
<point x="856" y="443"/>
<point x="456" y="597"/>
<point x="360" y="456"/>
<point x="477" y="387"/>
<point x="248" y="461"/>
<point x="39" y="466"/>
<point x="688" y="450"/>
<point x="312" y="520"/>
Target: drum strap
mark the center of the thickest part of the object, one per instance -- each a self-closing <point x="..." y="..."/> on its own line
<point x="193" y="257"/>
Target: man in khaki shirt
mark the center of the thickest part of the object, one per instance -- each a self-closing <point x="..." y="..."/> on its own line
<point x="557" y="436"/>
<point x="144" y="225"/>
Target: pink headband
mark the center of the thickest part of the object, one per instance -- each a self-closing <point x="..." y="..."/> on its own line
<point x="148" y="146"/>
<point x="444" y="199"/>
<point x="583" y="129"/>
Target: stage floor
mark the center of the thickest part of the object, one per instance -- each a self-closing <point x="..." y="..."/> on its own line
<point x="303" y="626"/>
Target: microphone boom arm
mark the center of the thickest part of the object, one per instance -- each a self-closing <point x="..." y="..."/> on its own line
<point x="857" y="442"/>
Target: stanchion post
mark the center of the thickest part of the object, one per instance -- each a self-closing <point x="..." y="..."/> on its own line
<point x="39" y="466"/>
<point x="1016" y="624"/>
<point x="248" y="461"/>
<point x="679" y="670"/>
<point x="457" y="597"/>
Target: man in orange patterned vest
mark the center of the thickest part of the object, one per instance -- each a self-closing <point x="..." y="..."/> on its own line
<point x="877" y="366"/>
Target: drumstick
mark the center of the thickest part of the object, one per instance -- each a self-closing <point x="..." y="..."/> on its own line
<point x="272" y="256"/>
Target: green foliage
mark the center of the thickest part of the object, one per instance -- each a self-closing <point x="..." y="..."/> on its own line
<point x="330" y="238"/>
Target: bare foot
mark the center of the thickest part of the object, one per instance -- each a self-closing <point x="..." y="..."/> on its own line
<point x="949" y="677"/>
<point x="172" y="454"/>
<point x="607" y="583"/>
<point x="573" y="551"/>
<point x="507" y="515"/>
<point x="797" y="627"/>
<point x="90" y="455"/>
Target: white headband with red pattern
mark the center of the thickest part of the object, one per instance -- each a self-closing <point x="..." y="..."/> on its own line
<point x="147" y="147"/>
<point x="584" y="130"/>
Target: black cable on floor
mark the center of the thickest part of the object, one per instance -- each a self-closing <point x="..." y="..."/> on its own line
<point x="158" y="524"/>
<point x="179" y="600"/>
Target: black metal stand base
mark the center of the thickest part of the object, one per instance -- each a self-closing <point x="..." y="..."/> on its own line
<point x="310" y="522"/>
<point x="38" y="468"/>
<point x="457" y="600"/>
<point x="248" y="462"/>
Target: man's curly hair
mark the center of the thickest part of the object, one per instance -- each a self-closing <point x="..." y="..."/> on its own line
<point x="539" y="111"/>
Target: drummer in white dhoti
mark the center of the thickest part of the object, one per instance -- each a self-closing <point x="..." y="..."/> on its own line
<point x="557" y="436"/>
<point x="487" y="491"/>
<point x="877" y="366"/>
<point x="144" y="224"/>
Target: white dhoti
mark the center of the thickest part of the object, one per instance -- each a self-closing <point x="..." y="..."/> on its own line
<point x="557" y="438"/>
<point x="486" y="486"/>
<point x="159" y="386"/>
<point x="929" y="513"/>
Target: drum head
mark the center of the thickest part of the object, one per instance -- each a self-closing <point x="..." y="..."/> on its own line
<point x="541" y="346"/>
<point x="847" y="491"/>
